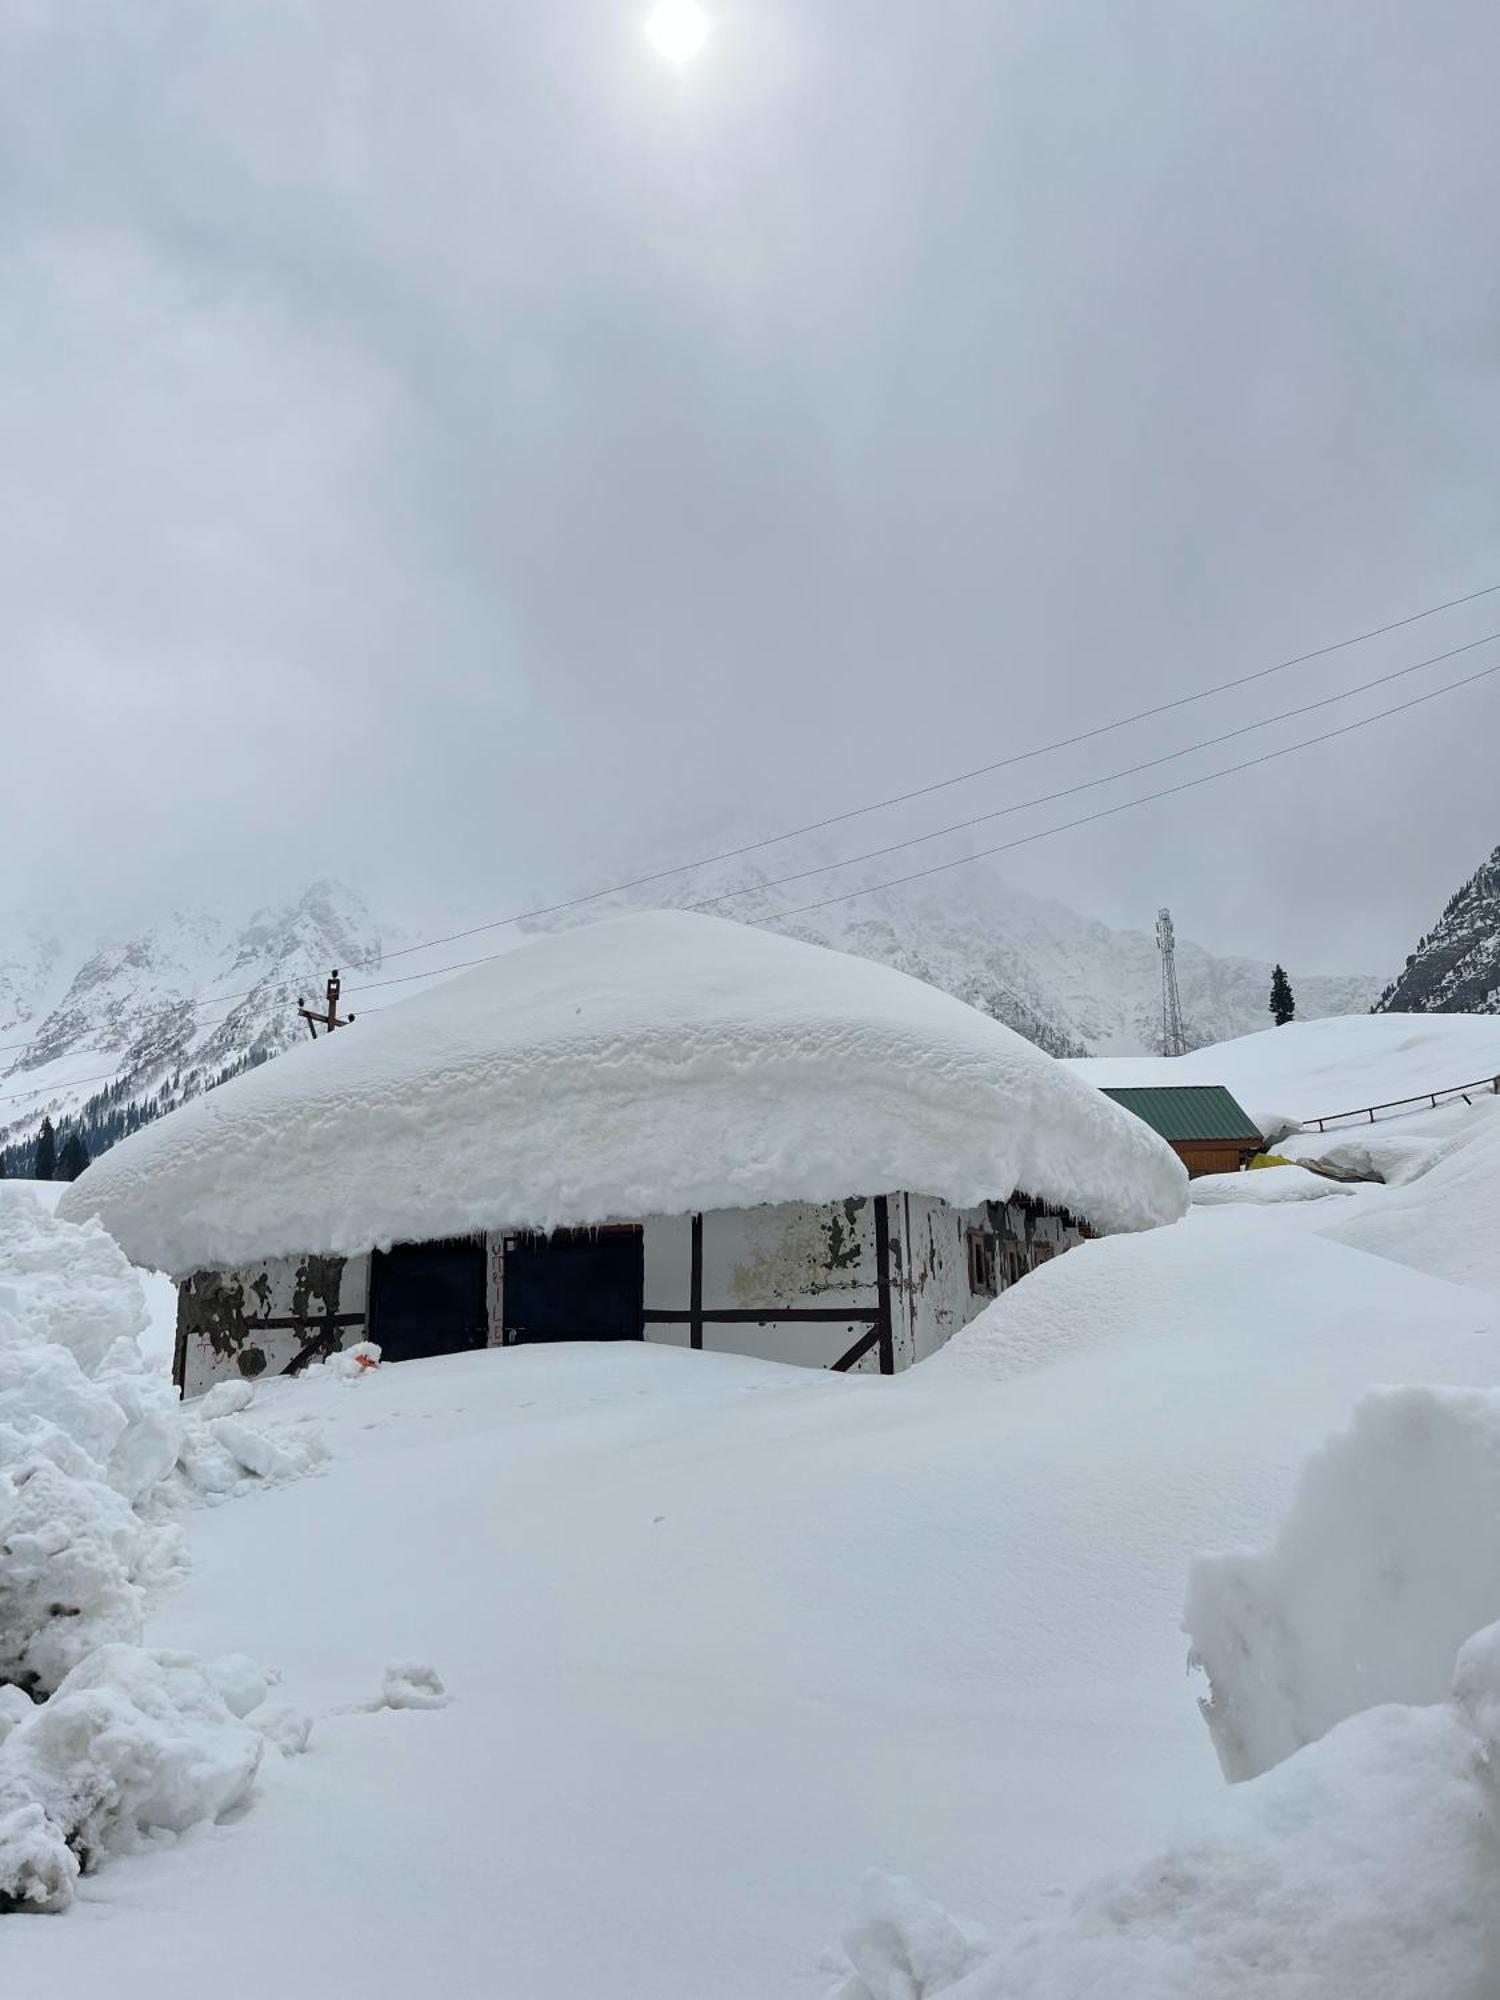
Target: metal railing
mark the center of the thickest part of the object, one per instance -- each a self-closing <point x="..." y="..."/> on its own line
<point x="1430" y="1097"/>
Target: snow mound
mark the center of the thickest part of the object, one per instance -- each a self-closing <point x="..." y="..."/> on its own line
<point x="1356" y="1686"/>
<point x="650" y="1065"/>
<point x="1388" y="1560"/>
<point x="1444" y="1219"/>
<point x="131" y="1744"/>
<point x="1263" y="1187"/>
<point x="1363" y="1866"/>
<point x="101" y="1743"/>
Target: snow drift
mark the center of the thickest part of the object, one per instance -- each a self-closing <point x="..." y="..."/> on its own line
<point x="1443" y="1220"/>
<point x="1355" y="1669"/>
<point x="1387" y="1562"/>
<point x="101" y="1742"/>
<point x="1365" y="1866"/>
<point x="651" y="1065"/>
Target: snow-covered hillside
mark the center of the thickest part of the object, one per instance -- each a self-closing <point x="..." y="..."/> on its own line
<point x="721" y="1636"/>
<point x="118" y="1029"/>
<point x="1314" y="1069"/>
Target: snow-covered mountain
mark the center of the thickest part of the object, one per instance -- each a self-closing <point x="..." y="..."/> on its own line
<point x="115" y="1031"/>
<point x="130" y="1026"/>
<point x="1455" y="968"/>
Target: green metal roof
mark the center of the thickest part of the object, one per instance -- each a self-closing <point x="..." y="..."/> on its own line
<point x="1188" y="1111"/>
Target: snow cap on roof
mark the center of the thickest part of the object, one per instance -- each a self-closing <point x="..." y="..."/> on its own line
<point x="649" y="1065"/>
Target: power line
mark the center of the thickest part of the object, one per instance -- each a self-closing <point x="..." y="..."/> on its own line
<point x="1092" y="784"/>
<point x="941" y="867"/>
<point x="961" y="778"/>
<point x="1128" y="805"/>
<point x="926" y="791"/>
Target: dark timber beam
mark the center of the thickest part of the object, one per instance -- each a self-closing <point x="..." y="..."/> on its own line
<point x="695" y="1291"/>
<point x="883" y="1280"/>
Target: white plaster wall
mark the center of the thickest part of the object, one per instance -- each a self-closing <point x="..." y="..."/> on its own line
<point x="934" y="1295"/>
<point x="270" y="1292"/>
<point x="791" y="1256"/>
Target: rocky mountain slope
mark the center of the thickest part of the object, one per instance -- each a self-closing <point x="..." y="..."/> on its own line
<point x="1455" y="968"/>
<point x="112" y="1034"/>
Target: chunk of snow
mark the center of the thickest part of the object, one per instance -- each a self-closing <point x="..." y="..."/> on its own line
<point x="239" y="1681"/>
<point x="280" y="1723"/>
<point x="352" y="1364"/>
<point x="413" y="1684"/>
<point x="265" y="1454"/>
<point x="224" y="1399"/>
<point x="131" y="1743"/>
<point x="903" y="1946"/>
<point x="1387" y="1561"/>
<point x="651" y="1065"/>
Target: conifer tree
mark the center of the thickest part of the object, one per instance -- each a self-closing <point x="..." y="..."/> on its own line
<point x="1283" y="1005"/>
<point x="73" y="1158"/>
<point x="44" y="1168"/>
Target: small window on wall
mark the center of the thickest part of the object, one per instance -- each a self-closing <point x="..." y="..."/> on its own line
<point x="981" y="1263"/>
<point x="1014" y="1259"/>
<point x="1042" y="1253"/>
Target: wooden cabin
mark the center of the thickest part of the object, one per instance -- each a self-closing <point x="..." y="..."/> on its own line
<point x="1201" y="1122"/>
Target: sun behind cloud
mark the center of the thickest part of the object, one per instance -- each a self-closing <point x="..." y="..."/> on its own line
<point x="678" y="31"/>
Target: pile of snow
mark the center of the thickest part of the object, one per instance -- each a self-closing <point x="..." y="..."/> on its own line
<point x="1355" y="1669"/>
<point x="101" y="1742"/>
<point x="1264" y="1187"/>
<point x="650" y="1065"/>
<point x="1313" y="1069"/>
<point x="1388" y="1560"/>
<point x="1364" y="1866"/>
<point x="131" y="1744"/>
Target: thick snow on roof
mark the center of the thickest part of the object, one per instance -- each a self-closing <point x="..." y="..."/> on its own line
<point x="651" y="1065"/>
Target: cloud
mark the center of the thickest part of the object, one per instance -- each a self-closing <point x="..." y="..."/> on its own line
<point x="463" y="453"/>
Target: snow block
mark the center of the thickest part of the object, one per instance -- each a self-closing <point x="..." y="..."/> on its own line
<point x="1388" y="1561"/>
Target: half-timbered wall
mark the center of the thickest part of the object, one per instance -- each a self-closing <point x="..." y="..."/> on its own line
<point x="797" y="1282"/>
<point x="952" y="1262"/>
<point x="757" y="1263"/>
<point x="270" y="1320"/>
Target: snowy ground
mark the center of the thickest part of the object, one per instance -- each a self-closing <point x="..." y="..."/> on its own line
<point x="721" y="1636"/>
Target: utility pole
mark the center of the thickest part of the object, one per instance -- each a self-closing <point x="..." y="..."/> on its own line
<point x="1173" y="1040"/>
<point x="331" y="1020"/>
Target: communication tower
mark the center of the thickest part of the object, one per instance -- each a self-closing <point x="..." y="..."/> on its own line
<point x="1173" y="1040"/>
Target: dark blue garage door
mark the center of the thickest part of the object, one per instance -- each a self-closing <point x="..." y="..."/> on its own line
<point x="428" y="1298"/>
<point x="576" y="1284"/>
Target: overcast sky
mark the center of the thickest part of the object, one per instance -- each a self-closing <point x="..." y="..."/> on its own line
<point x="445" y="446"/>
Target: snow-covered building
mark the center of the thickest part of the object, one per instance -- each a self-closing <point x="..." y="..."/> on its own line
<point x="662" y="1127"/>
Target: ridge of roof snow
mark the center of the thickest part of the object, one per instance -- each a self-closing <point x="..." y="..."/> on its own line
<point x="652" y="1064"/>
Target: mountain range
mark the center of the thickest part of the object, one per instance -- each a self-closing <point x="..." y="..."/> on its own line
<point x="112" y="1033"/>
